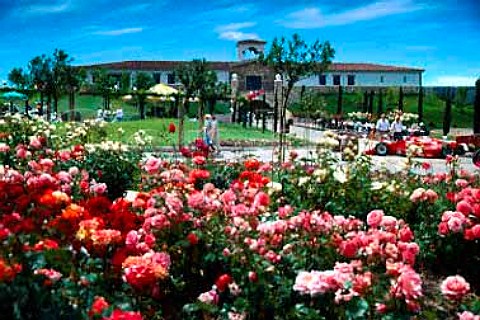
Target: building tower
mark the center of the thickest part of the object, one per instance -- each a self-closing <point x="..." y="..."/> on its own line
<point x="250" y="49"/>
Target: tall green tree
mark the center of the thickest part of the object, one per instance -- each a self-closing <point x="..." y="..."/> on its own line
<point x="102" y="85"/>
<point x="400" y="99"/>
<point x="192" y="76"/>
<point x="447" y="116"/>
<point x="340" y="101"/>
<point x="60" y="67"/>
<point x="73" y="80"/>
<point x="380" y="102"/>
<point x="295" y="59"/>
<point x="143" y="82"/>
<point x="39" y="71"/>
<point x="18" y="77"/>
<point x="476" y="110"/>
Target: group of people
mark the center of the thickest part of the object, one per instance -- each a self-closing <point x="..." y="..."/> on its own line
<point x="397" y="128"/>
<point x="210" y="133"/>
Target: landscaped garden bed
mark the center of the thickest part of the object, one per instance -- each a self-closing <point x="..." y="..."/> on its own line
<point x="249" y="240"/>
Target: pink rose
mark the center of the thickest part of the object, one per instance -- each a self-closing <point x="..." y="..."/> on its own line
<point x="464" y="207"/>
<point x="199" y="160"/>
<point x="454" y="287"/>
<point x="374" y="218"/>
<point x="467" y="315"/>
<point x="132" y="238"/>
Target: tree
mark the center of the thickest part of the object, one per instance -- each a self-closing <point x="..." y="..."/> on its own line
<point x="18" y="77"/>
<point x="461" y="94"/>
<point x="380" y="102"/>
<point x="400" y="99"/>
<point x="447" y="116"/>
<point x="143" y="82"/>
<point x="420" y="104"/>
<point x="294" y="59"/>
<point x="340" y="100"/>
<point x="39" y="77"/>
<point x="73" y="79"/>
<point x="60" y="68"/>
<point x="371" y="98"/>
<point x="476" y="114"/>
<point x="192" y="76"/>
<point x="208" y="93"/>
<point x="103" y="85"/>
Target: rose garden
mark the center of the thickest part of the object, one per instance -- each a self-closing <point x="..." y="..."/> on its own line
<point x="96" y="226"/>
<point x="305" y="239"/>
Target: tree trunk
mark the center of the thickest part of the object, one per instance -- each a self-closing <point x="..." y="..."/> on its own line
<point x="71" y="104"/>
<point x="400" y="99"/>
<point x="380" y="102"/>
<point x="420" y="104"/>
<point x="476" y="114"/>
<point x="447" y="116"/>
<point x="49" y="106"/>
<point x="340" y="100"/>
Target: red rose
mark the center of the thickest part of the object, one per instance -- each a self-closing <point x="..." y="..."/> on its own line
<point x="171" y="127"/>
<point x="252" y="276"/>
<point x="98" y="306"/>
<point x="192" y="238"/>
<point x="223" y="281"/>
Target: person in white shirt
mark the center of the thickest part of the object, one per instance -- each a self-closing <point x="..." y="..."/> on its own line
<point x="397" y="128"/>
<point x="383" y="125"/>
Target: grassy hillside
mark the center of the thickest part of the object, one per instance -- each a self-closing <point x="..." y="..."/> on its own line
<point x="462" y="117"/>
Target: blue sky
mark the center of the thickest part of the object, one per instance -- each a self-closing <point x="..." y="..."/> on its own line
<point x="441" y="36"/>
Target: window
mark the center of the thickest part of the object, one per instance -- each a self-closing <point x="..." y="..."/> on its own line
<point x="322" y="80"/>
<point x="253" y="82"/>
<point x="404" y="79"/>
<point x="170" y="78"/>
<point x="156" y="77"/>
<point x="382" y="79"/>
<point x="336" y="80"/>
<point x="351" y="80"/>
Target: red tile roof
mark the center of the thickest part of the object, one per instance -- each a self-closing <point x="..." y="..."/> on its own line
<point x="368" y="67"/>
<point x="156" y="65"/>
<point x="227" y="65"/>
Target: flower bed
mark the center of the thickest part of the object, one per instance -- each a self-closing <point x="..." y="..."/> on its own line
<point x="301" y="240"/>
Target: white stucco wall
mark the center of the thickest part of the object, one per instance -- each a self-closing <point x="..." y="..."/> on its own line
<point x="367" y="79"/>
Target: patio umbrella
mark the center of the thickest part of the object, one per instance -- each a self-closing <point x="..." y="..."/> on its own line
<point x="162" y="90"/>
<point x="13" y="95"/>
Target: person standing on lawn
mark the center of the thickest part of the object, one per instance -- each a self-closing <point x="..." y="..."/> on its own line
<point x="214" y="134"/>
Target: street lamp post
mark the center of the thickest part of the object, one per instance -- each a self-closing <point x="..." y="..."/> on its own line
<point x="234" y="85"/>
<point x="277" y="85"/>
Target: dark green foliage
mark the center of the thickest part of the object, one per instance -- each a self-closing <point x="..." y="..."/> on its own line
<point x="447" y="116"/>
<point x="340" y="100"/>
<point x="476" y="116"/>
<point x="400" y="99"/>
<point x="380" y="102"/>
<point x="420" y="104"/>
<point x="370" y="101"/>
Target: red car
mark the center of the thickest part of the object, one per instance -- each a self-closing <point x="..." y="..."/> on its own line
<point x="427" y="147"/>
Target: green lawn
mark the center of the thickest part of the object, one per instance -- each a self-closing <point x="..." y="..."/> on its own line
<point x="157" y="128"/>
